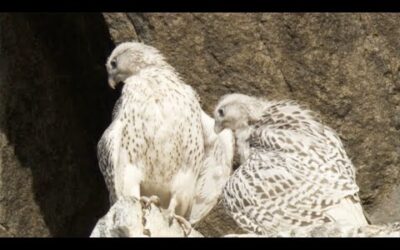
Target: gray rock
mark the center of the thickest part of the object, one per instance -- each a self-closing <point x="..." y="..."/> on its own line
<point x="127" y="218"/>
<point x="218" y="223"/>
<point x="124" y="219"/>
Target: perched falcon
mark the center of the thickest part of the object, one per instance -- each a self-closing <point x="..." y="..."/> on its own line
<point x="294" y="170"/>
<point x="154" y="149"/>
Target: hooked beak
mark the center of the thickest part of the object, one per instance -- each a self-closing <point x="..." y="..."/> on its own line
<point x="112" y="83"/>
<point x="217" y="127"/>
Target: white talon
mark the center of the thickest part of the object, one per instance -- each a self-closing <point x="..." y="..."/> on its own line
<point x="147" y="201"/>
<point x="186" y="226"/>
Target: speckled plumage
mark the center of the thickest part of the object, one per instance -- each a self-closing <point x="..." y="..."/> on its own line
<point x="160" y="143"/>
<point x="154" y="145"/>
<point x="294" y="172"/>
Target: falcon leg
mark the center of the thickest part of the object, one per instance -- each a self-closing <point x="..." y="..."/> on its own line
<point x="131" y="182"/>
<point x="186" y="226"/>
<point x="171" y="210"/>
<point x="147" y="201"/>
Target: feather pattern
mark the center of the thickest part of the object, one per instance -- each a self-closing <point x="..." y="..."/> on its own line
<point x="295" y="171"/>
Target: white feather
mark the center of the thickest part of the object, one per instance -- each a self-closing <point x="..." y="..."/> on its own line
<point x="216" y="169"/>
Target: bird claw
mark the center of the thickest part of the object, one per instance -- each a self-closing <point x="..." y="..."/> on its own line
<point x="185" y="225"/>
<point x="147" y="201"/>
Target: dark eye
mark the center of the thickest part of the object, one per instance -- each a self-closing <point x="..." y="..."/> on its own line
<point x="113" y="64"/>
<point x="221" y="112"/>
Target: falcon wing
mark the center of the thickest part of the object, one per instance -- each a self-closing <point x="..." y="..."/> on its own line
<point x="301" y="174"/>
<point x="117" y="108"/>
<point x="215" y="171"/>
<point x="320" y="160"/>
<point x="107" y="155"/>
<point x="264" y="196"/>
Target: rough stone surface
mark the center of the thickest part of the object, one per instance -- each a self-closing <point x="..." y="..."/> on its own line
<point x="120" y="27"/>
<point x="218" y="223"/>
<point x="127" y="218"/>
<point x="124" y="219"/>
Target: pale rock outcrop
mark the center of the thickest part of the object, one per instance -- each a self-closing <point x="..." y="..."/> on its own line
<point x="127" y="218"/>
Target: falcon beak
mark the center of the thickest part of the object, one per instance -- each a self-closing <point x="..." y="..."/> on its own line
<point x="217" y="127"/>
<point x="112" y="83"/>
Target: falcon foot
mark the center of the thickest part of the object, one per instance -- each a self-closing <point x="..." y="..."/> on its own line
<point x="186" y="226"/>
<point x="147" y="201"/>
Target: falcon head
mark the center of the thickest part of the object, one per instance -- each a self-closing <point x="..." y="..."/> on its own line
<point x="128" y="59"/>
<point x="236" y="112"/>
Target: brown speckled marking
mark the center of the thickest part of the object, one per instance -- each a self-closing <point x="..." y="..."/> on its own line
<point x="291" y="152"/>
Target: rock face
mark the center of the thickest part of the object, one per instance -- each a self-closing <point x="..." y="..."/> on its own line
<point x="55" y="102"/>
<point x="218" y="223"/>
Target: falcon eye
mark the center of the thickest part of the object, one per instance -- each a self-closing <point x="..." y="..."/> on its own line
<point x="221" y="112"/>
<point x="113" y="64"/>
